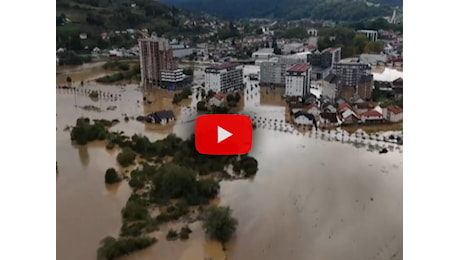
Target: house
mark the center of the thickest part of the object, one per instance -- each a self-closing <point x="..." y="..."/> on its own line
<point x="349" y="116"/>
<point x="362" y="107"/>
<point x="393" y="113"/>
<point x="302" y="118"/>
<point x="162" y="117"/>
<point x="313" y="109"/>
<point x="343" y="107"/>
<point x="328" y="119"/>
<point x="329" y="108"/>
<point x="372" y="116"/>
<point x="217" y="100"/>
<point x="398" y="88"/>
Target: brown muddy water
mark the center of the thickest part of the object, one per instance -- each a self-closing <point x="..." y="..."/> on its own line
<point x="311" y="198"/>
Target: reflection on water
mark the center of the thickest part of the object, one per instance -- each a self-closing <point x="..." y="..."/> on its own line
<point x="313" y="197"/>
<point x="83" y="155"/>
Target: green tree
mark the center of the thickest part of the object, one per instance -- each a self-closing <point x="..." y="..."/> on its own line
<point x="126" y="157"/>
<point x="112" y="248"/>
<point x="111" y="176"/>
<point x="219" y="223"/>
<point x="69" y="81"/>
<point x="360" y="42"/>
<point x="201" y="106"/>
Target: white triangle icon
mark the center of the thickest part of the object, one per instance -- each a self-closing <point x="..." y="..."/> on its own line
<point x="222" y="134"/>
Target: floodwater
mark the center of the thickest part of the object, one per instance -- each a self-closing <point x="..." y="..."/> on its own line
<point x="311" y="198"/>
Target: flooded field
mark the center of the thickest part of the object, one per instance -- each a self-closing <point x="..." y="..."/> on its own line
<point x="316" y="195"/>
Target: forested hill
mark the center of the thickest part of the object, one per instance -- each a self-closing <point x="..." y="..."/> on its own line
<point x="93" y="17"/>
<point x="338" y="10"/>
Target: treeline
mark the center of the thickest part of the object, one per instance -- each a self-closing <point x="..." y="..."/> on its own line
<point x="351" y="42"/>
<point x="129" y="73"/>
<point x="288" y="9"/>
<point x="72" y="58"/>
<point x="95" y="17"/>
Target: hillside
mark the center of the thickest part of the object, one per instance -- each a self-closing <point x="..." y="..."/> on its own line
<point x="338" y="10"/>
<point x="93" y="17"/>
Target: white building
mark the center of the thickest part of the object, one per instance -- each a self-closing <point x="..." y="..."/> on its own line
<point x="371" y="34"/>
<point x="312" y="32"/>
<point x="393" y="113"/>
<point x="172" y="76"/>
<point x="302" y="118"/>
<point x="263" y="54"/>
<point x="373" y="59"/>
<point x="298" y="80"/>
<point x="224" y="77"/>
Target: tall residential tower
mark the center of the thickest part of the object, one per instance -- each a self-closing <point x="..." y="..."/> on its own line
<point x="155" y="56"/>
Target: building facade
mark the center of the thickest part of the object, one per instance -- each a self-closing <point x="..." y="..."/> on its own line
<point x="172" y="79"/>
<point x="273" y="72"/>
<point x="224" y="77"/>
<point x="351" y="72"/>
<point x="371" y="34"/>
<point x="298" y="80"/>
<point x="155" y="55"/>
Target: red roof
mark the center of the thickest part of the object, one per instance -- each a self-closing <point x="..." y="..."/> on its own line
<point x="398" y="59"/>
<point x="372" y="113"/>
<point x="219" y="96"/>
<point x="299" y="68"/>
<point x="394" y="109"/>
<point x="312" y="106"/>
<point x="343" y="106"/>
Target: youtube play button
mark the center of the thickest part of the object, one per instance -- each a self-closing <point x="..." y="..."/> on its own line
<point x="223" y="134"/>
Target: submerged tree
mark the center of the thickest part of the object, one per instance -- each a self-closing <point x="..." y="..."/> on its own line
<point x="219" y="223"/>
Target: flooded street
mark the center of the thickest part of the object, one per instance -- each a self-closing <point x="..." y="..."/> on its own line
<point x="310" y="199"/>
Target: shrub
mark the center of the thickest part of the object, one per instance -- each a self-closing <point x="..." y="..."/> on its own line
<point x="184" y="232"/>
<point x="111" y="176"/>
<point x="219" y="223"/>
<point x="172" y="235"/>
<point x="112" y="248"/>
<point x="126" y="157"/>
<point x="201" y="106"/>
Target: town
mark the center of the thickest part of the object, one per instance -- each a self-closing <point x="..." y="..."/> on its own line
<point x="322" y="83"/>
<point x="317" y="84"/>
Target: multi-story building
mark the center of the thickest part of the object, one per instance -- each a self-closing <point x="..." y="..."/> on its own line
<point x="322" y="61"/>
<point x="224" y="77"/>
<point x="353" y="73"/>
<point x="172" y="78"/>
<point x="155" y="55"/>
<point x="273" y="72"/>
<point x="371" y="34"/>
<point x="298" y="80"/>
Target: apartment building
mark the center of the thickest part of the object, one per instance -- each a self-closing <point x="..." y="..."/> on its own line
<point x="298" y="80"/>
<point x="356" y="74"/>
<point x="155" y="55"/>
<point x="224" y="77"/>
<point x="273" y="72"/>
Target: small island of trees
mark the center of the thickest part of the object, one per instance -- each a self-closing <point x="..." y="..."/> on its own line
<point x="169" y="175"/>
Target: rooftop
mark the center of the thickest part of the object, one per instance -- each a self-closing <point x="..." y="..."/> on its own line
<point x="395" y="109"/>
<point x="265" y="50"/>
<point x="332" y="117"/>
<point x="299" y="68"/>
<point x="223" y="66"/>
<point x="372" y="113"/>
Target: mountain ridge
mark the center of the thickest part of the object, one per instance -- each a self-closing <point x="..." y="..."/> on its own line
<point x="345" y="10"/>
